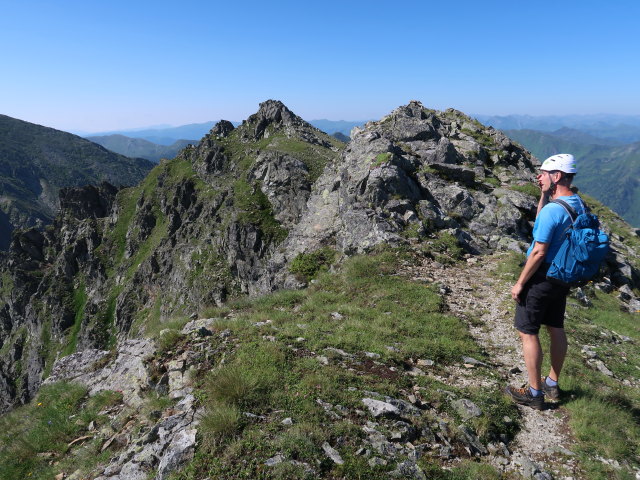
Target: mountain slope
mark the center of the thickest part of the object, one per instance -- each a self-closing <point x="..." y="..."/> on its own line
<point x="334" y="380"/>
<point x="600" y="166"/>
<point x="36" y="161"/>
<point x="139" y="147"/>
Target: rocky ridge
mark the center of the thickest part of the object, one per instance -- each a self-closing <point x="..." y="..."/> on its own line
<point x="231" y="215"/>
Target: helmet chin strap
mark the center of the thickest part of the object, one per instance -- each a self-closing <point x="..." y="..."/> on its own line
<point x="553" y="185"/>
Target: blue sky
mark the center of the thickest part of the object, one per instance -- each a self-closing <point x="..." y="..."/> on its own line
<point x="95" y="66"/>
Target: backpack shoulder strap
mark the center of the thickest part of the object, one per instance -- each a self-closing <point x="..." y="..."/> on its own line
<point x="585" y="207"/>
<point x="568" y="208"/>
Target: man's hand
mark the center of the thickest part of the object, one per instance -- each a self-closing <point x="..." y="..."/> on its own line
<point x="516" y="290"/>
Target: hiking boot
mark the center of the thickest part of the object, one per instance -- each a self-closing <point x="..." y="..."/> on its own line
<point x="552" y="393"/>
<point x="522" y="396"/>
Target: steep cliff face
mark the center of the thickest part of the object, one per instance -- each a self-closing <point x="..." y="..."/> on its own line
<point x="230" y="215"/>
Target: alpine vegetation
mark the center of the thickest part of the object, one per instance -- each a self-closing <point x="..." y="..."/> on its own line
<point x="275" y="303"/>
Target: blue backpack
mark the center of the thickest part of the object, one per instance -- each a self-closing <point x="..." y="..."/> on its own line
<point x="582" y="251"/>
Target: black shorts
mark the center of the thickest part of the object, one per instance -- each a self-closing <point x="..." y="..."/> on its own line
<point x="541" y="303"/>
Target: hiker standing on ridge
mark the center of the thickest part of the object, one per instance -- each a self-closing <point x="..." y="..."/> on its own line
<point x="538" y="301"/>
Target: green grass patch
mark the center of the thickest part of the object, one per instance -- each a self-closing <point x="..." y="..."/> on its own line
<point x="126" y="200"/>
<point x="482" y="138"/>
<point x="168" y="340"/>
<point x="6" y="285"/>
<point x="79" y="304"/>
<point x="465" y="470"/>
<point x="527" y="189"/>
<point x="381" y="159"/>
<point x="493" y="181"/>
<point x="59" y="414"/>
<point x="308" y="265"/>
<point x="256" y="209"/>
<point x="445" y="248"/>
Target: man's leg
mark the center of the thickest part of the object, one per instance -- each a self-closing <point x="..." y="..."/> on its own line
<point x="558" y="351"/>
<point x="532" y="358"/>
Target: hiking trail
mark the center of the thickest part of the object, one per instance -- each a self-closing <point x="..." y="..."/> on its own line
<point x="476" y="293"/>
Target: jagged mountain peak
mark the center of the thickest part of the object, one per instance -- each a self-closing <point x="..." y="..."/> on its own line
<point x="271" y="113"/>
<point x="276" y="112"/>
<point x="273" y="117"/>
<point x="222" y="129"/>
<point x="445" y="140"/>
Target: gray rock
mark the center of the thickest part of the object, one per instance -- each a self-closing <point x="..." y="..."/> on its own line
<point x="197" y="325"/>
<point x="384" y="447"/>
<point x="379" y="408"/>
<point x="127" y="373"/>
<point x="599" y="364"/>
<point x="473" y="361"/>
<point x="528" y="467"/>
<point x="402" y="432"/>
<point x="405" y="409"/>
<point x="471" y="441"/>
<point x="466" y="408"/>
<point x="543" y="476"/>
<point x="377" y="462"/>
<point x="222" y="129"/>
<point x="332" y="454"/>
<point x="322" y="359"/>
<point x="274" y="460"/>
<point x="408" y="469"/>
<point x="338" y="351"/>
<point x="425" y="363"/>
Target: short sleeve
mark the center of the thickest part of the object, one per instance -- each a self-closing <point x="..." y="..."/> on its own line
<point x="546" y="222"/>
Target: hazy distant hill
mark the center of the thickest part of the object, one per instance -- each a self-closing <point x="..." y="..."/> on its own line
<point x="35" y="161"/>
<point x="617" y="128"/>
<point x="167" y="136"/>
<point x="337" y="126"/>
<point x="139" y="147"/>
<point x="611" y="173"/>
<point x="164" y="136"/>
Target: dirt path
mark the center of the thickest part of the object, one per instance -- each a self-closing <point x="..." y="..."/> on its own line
<point x="475" y="292"/>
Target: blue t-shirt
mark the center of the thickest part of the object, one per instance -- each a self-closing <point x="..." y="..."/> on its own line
<point x="551" y="224"/>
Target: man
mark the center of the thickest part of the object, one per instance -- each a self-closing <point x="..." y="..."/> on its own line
<point x="538" y="301"/>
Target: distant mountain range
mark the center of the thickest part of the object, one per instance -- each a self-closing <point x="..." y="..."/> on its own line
<point x="611" y="173"/>
<point x="139" y="147"/>
<point x="619" y="129"/>
<point x="164" y="136"/>
<point x="36" y="161"/>
<point x="195" y="131"/>
<point x="610" y="129"/>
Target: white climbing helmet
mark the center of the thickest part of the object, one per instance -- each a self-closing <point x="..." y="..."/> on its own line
<point x="563" y="162"/>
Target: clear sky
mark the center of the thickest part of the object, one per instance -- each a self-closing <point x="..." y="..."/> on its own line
<point x="105" y="65"/>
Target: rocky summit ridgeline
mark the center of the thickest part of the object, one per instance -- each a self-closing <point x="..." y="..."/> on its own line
<point x="236" y="213"/>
